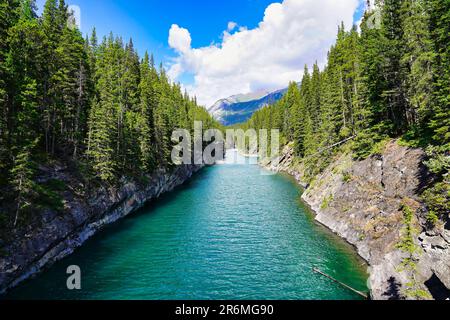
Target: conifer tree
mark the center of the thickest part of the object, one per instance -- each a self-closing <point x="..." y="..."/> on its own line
<point x="22" y="179"/>
<point x="418" y="59"/>
<point x="316" y="97"/>
<point x="101" y="144"/>
<point x="129" y="108"/>
<point x="72" y="88"/>
<point x="51" y="31"/>
<point x="23" y="63"/>
<point x="105" y="119"/>
<point x="9" y="11"/>
<point x="439" y="27"/>
<point x="66" y="98"/>
<point x="148" y="103"/>
<point x="393" y="70"/>
<point x="293" y="114"/>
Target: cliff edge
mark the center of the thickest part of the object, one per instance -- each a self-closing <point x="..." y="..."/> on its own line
<point x="362" y="201"/>
<point x="54" y="236"/>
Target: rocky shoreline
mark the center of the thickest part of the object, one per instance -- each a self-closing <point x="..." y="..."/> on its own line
<point x="361" y="202"/>
<point x="57" y="236"/>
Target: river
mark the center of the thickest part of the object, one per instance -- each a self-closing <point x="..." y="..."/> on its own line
<point x="229" y="233"/>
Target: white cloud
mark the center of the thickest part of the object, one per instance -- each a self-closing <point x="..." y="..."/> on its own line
<point x="292" y="34"/>
<point x="232" y="25"/>
<point x="179" y="39"/>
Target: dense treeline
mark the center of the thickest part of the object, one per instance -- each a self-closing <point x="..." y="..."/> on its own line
<point x="390" y="79"/>
<point x="95" y="106"/>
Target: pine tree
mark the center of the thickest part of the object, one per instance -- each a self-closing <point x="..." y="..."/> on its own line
<point x="104" y="120"/>
<point x="393" y="44"/>
<point x="50" y="78"/>
<point x="72" y="89"/>
<point x="303" y="113"/>
<point x="291" y="104"/>
<point x="92" y="51"/>
<point x="408" y="245"/>
<point x="101" y="144"/>
<point x="327" y="131"/>
<point x="49" y="27"/>
<point x="163" y="126"/>
<point x="9" y="11"/>
<point x="148" y="103"/>
<point x="418" y="59"/>
<point x="130" y="108"/>
<point x="22" y="179"/>
<point x="316" y="97"/>
<point x="23" y="63"/>
<point x="54" y="23"/>
<point x="439" y="12"/>
<point x="372" y="82"/>
<point x="374" y="124"/>
<point x="293" y="116"/>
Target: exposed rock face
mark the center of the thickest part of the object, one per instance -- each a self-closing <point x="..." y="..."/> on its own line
<point x="240" y="108"/>
<point x="59" y="235"/>
<point x="361" y="201"/>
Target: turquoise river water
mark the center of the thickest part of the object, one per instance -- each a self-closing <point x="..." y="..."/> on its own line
<point x="229" y="233"/>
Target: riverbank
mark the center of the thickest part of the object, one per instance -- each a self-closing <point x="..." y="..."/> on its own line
<point x="361" y="202"/>
<point x="55" y="236"/>
<point x="215" y="238"/>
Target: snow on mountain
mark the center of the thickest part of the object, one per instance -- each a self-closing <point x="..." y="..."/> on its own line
<point x="240" y="108"/>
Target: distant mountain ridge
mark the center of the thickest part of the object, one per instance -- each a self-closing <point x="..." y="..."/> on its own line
<point x="240" y="108"/>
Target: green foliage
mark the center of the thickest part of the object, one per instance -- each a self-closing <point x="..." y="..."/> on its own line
<point x="380" y="147"/>
<point x="369" y="142"/>
<point x="97" y="108"/>
<point x="437" y="200"/>
<point x="416" y="138"/>
<point x="326" y="202"/>
<point x="437" y="197"/>
<point x="432" y="217"/>
<point x="407" y="244"/>
<point x="418" y="61"/>
<point x="134" y="114"/>
<point x="387" y="81"/>
<point x="439" y="160"/>
<point x="416" y="294"/>
<point x="22" y="182"/>
<point x="347" y="177"/>
<point x="439" y="26"/>
<point x="48" y="196"/>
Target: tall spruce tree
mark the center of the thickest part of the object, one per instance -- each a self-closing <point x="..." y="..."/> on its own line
<point x="439" y="28"/>
<point x="393" y="70"/>
<point x="65" y="98"/>
<point x="148" y="103"/>
<point x="418" y="60"/>
<point x="9" y="12"/>
<point x="22" y="182"/>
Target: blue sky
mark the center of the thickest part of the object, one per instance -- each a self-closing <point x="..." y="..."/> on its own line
<point x="201" y="25"/>
<point x="148" y="22"/>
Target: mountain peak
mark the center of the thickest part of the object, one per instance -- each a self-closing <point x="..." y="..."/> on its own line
<point x="240" y="108"/>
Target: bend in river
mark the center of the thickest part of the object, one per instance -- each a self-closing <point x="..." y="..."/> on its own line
<point x="230" y="233"/>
